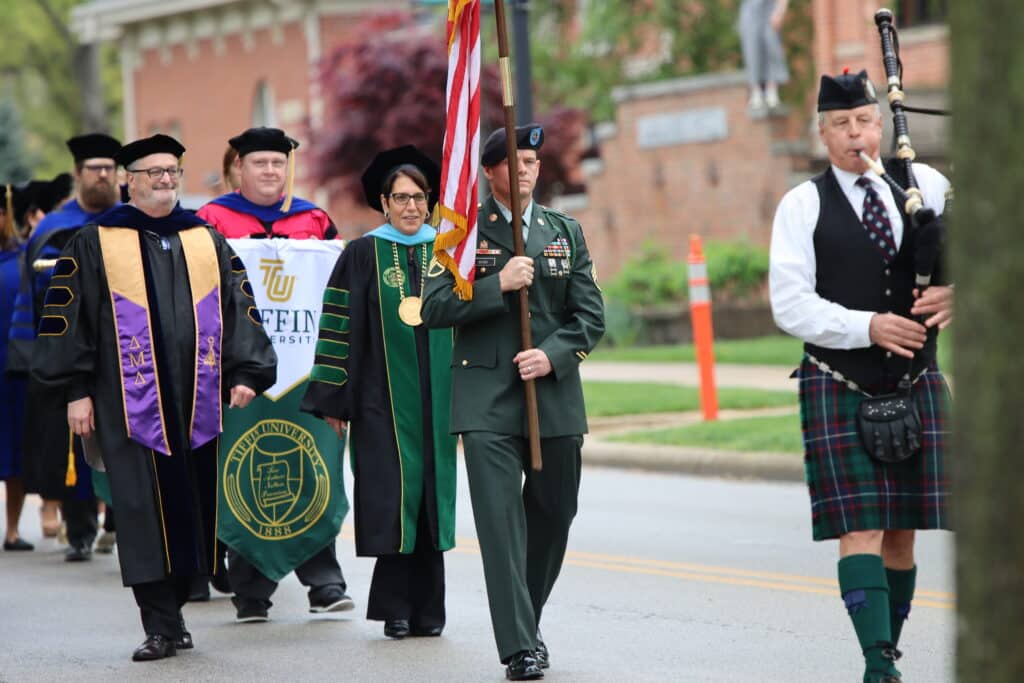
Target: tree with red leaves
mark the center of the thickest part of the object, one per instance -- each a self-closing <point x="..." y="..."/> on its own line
<point x="387" y="88"/>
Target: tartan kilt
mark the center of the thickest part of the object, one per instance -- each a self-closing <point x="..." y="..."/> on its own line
<point x="852" y="492"/>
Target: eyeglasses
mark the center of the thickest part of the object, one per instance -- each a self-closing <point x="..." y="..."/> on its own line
<point x="157" y="172"/>
<point x="402" y="198"/>
<point x="100" y="168"/>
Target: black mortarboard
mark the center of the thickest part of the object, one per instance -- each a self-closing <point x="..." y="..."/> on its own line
<point x="387" y="161"/>
<point x="845" y="91"/>
<point x="156" y="144"/>
<point x="25" y="196"/>
<point x="263" y="140"/>
<point x="55" y="191"/>
<point x="530" y="136"/>
<point x="93" y="146"/>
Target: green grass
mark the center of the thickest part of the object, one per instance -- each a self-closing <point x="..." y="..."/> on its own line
<point x="773" y="350"/>
<point x="773" y="434"/>
<point x="605" y="399"/>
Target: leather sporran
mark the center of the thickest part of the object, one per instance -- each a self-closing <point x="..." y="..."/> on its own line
<point x="890" y="427"/>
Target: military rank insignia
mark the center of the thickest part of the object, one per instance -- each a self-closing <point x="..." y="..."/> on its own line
<point x="485" y="256"/>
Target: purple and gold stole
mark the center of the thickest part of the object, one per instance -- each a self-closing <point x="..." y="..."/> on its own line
<point x="140" y="383"/>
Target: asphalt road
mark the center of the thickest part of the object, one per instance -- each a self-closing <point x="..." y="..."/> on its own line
<point x="668" y="578"/>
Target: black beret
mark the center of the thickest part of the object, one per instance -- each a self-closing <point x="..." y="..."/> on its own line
<point x="156" y="144"/>
<point x="845" y="91"/>
<point x="93" y="146"/>
<point x="530" y="136"/>
<point x="24" y="197"/>
<point x="263" y="139"/>
<point x="387" y="161"/>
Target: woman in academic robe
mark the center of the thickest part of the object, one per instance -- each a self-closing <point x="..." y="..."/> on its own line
<point x="380" y="373"/>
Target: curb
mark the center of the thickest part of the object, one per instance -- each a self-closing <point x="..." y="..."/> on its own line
<point x="705" y="462"/>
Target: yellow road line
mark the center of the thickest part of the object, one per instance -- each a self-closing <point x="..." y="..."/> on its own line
<point x="689" y="571"/>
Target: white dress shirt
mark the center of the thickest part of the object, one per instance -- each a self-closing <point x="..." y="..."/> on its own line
<point x="796" y="306"/>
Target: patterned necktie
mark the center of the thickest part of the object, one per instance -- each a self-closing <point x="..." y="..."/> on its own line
<point x="875" y="220"/>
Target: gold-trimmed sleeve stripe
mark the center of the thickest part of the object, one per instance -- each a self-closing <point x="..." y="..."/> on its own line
<point x="329" y="375"/>
<point x="236" y="264"/>
<point x="254" y="316"/>
<point x="247" y="289"/>
<point x="52" y="326"/>
<point x="332" y="349"/>
<point x="66" y="267"/>
<point x="334" y="322"/>
<point x="336" y="297"/>
<point x="58" y="296"/>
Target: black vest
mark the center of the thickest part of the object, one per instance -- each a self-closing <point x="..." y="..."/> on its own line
<point x="851" y="273"/>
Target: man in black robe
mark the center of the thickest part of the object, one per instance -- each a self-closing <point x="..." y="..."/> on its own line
<point x="148" y="326"/>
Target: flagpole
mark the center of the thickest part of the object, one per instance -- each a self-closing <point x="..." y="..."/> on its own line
<point x="505" y="65"/>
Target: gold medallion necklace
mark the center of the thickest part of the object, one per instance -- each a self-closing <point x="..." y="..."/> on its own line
<point x="409" y="306"/>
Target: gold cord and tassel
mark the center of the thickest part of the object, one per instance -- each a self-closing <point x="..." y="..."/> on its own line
<point x="289" y="187"/>
<point x="7" y="227"/>
<point x="71" y="477"/>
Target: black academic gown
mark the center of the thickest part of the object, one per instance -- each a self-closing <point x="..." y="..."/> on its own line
<point x="166" y="505"/>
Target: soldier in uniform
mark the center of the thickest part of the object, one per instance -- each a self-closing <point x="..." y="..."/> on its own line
<point x="842" y="280"/>
<point x="523" y="530"/>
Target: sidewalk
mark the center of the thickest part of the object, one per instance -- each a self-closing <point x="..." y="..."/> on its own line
<point x="774" y="377"/>
<point x="597" y="450"/>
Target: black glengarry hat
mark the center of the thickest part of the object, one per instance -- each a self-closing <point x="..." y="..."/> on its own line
<point x="156" y="144"/>
<point x="845" y="91"/>
<point x="93" y="146"/>
<point x="530" y="136"/>
<point x="263" y="139"/>
<point x="377" y="172"/>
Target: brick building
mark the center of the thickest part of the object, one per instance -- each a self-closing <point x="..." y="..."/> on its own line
<point x="204" y="70"/>
<point x="681" y="156"/>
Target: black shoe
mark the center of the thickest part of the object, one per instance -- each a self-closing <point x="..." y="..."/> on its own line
<point x="78" y="553"/>
<point x="523" y="667"/>
<point x="18" y="544"/>
<point x="154" y="647"/>
<point x="329" y="599"/>
<point x="541" y="653"/>
<point x="396" y="628"/>
<point x="425" y="631"/>
<point x="251" y="611"/>
<point x="184" y="641"/>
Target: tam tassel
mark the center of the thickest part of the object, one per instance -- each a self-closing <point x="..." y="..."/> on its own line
<point x="71" y="476"/>
<point x="290" y="183"/>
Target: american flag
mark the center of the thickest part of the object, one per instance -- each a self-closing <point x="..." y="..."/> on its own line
<point x="455" y="247"/>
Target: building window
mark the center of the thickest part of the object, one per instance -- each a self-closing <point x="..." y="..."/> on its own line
<point x="263" y="106"/>
<point x="921" y="12"/>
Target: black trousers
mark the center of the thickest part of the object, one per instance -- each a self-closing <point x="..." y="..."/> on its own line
<point x="160" y="604"/>
<point x="410" y="586"/>
<point x="109" y="524"/>
<point x="82" y="520"/>
<point x="318" y="571"/>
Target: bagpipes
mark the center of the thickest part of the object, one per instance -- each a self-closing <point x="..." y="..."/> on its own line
<point x="929" y="228"/>
<point x="890" y="425"/>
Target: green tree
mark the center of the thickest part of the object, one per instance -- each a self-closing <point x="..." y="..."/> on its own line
<point x="62" y="88"/>
<point x="678" y="38"/>
<point x="988" y="430"/>
<point x="15" y="165"/>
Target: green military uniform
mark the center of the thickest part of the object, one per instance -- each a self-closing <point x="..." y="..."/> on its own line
<point x="523" y="530"/>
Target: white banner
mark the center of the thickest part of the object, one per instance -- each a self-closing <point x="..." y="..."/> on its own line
<point x="288" y="278"/>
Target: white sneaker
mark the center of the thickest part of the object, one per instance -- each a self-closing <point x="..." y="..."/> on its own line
<point x="771" y="98"/>
<point x="106" y="542"/>
<point x="756" y="108"/>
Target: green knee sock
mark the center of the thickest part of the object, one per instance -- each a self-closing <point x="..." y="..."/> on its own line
<point x="865" y="591"/>
<point x="901" y="593"/>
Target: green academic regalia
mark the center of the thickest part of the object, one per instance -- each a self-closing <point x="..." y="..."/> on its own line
<point x="391" y="382"/>
<point x="156" y="395"/>
<point x="529" y="524"/>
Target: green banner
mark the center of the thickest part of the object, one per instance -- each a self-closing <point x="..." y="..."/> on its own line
<point x="281" y="490"/>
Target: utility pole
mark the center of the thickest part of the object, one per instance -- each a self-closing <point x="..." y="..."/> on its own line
<point x="521" y="50"/>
